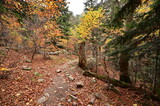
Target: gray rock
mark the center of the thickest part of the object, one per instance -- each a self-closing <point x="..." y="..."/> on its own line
<point x="46" y="95"/>
<point x="54" y="53"/>
<point x="42" y="99"/>
<point x="62" y="99"/>
<point x="28" y="61"/>
<point x="58" y="71"/>
<point x="74" y="104"/>
<point x="73" y="97"/>
<point x="70" y="78"/>
<point x="92" y="100"/>
<point x="69" y="100"/>
<point x="97" y="95"/>
<point x="64" y="51"/>
<point x="67" y="74"/>
<point x="26" y="68"/>
<point x="37" y="74"/>
<point x="107" y="104"/>
<point x="59" y="104"/>
<point x="79" y="84"/>
<point x="41" y="80"/>
<point x="75" y="93"/>
<point x="60" y="87"/>
<point x="94" y="80"/>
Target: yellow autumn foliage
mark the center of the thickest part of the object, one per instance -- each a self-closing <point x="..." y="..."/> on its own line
<point x="145" y="7"/>
<point x="90" y="20"/>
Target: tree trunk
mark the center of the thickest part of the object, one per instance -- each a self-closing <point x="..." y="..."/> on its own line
<point x="124" y="57"/>
<point x="155" y="73"/>
<point x="35" y="49"/>
<point x="44" y="48"/>
<point x="82" y="56"/>
<point x="123" y="63"/>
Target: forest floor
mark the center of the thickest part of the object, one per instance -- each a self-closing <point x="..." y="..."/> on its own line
<point x="54" y="82"/>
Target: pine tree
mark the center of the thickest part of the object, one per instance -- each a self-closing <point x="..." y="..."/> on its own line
<point x="90" y="4"/>
<point x="63" y="21"/>
<point x="142" y="37"/>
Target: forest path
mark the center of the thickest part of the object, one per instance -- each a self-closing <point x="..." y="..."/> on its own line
<point x="64" y="91"/>
<point x="60" y="88"/>
<point x="53" y="82"/>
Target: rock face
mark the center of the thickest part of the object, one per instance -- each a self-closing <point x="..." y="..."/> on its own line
<point x="79" y="84"/>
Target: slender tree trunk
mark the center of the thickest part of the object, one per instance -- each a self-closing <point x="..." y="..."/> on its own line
<point x="35" y="49"/>
<point x="105" y="65"/>
<point x="44" y="48"/>
<point x="136" y="71"/>
<point x="155" y="73"/>
<point x="123" y="63"/>
<point x="82" y="56"/>
<point x="124" y="57"/>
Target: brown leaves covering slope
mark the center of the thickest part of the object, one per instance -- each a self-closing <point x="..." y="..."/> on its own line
<point x="22" y="87"/>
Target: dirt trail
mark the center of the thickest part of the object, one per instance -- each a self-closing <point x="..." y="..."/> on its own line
<point x="59" y="89"/>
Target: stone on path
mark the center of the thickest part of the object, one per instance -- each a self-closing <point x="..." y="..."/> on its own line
<point x="46" y="95"/>
<point x="42" y="99"/>
<point x="94" y="80"/>
<point x="69" y="100"/>
<point x="41" y="80"/>
<point x="97" y="95"/>
<point x="70" y="78"/>
<point x="74" y="104"/>
<point x="58" y="71"/>
<point x="73" y="97"/>
<point x="26" y="68"/>
<point x="29" y="61"/>
<point x="79" y="84"/>
<point x="59" y="104"/>
<point x="107" y="104"/>
<point x="92" y="100"/>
